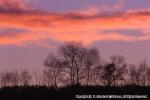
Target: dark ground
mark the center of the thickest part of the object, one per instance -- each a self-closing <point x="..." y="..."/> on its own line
<point x="69" y="92"/>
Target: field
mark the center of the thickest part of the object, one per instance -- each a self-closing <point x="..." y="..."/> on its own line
<point x="71" y="92"/>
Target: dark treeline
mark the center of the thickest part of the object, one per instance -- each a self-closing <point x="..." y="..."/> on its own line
<point x="75" y="64"/>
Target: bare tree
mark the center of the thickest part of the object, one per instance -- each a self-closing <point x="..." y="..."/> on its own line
<point x="25" y="78"/>
<point x="134" y="75"/>
<point x="38" y="78"/>
<point x="148" y="76"/>
<point x="92" y="60"/>
<point x="53" y="71"/>
<point x="139" y="74"/>
<point x="47" y="78"/>
<point x="5" y="78"/>
<point x="72" y="55"/>
<point x="143" y="71"/>
<point x="77" y="62"/>
<point x="113" y="72"/>
<point x="14" y="78"/>
<point x="10" y="78"/>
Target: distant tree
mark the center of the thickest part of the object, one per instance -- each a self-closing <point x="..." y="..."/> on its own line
<point x="139" y="75"/>
<point x="114" y="71"/>
<point x="79" y="61"/>
<point x="148" y="76"/>
<point x="79" y="64"/>
<point x="134" y="75"/>
<point x="5" y="78"/>
<point x="92" y="60"/>
<point x="10" y="78"/>
<point x="54" y="66"/>
<point x="14" y="78"/>
<point x="47" y="78"/>
<point x="38" y="78"/>
<point x="72" y="54"/>
<point x="143" y="71"/>
<point x="25" y="78"/>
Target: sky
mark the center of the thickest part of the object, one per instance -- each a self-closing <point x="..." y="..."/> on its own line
<point x="30" y="29"/>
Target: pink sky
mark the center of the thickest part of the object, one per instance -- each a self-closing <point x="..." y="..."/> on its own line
<point x="30" y="29"/>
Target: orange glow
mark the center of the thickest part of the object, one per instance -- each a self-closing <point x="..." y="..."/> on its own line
<point x="68" y="27"/>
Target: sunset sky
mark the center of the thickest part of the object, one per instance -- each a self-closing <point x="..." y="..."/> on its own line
<point x="30" y="29"/>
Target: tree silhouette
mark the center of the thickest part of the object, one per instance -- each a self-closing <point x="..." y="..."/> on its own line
<point x="54" y="66"/>
<point x="92" y="60"/>
<point x="139" y="75"/>
<point x="113" y="71"/>
<point x="25" y="78"/>
<point x="10" y="78"/>
<point x="134" y="75"/>
<point x="143" y="69"/>
<point x="72" y="54"/>
<point x="75" y="64"/>
<point x="148" y="76"/>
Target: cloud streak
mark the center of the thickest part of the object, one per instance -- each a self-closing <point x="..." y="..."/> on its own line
<point x="14" y="5"/>
<point x="85" y="27"/>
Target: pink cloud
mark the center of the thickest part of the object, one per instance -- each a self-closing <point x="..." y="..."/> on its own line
<point x="14" y="5"/>
<point x="67" y="27"/>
